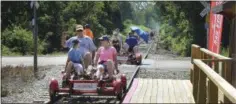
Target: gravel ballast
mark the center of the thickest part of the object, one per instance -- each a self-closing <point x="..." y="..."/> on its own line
<point x="161" y="74"/>
<point x="37" y="89"/>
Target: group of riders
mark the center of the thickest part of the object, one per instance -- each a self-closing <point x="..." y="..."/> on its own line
<point x="84" y="54"/>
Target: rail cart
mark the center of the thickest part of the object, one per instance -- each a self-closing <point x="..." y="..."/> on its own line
<point x="130" y="58"/>
<point x="85" y="87"/>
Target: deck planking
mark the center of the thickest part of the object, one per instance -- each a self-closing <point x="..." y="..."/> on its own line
<point x="162" y="91"/>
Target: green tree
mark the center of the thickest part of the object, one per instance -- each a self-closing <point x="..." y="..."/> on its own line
<point x="16" y="39"/>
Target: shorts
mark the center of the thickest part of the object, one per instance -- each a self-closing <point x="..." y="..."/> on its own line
<point x="103" y="63"/>
<point x="78" y="67"/>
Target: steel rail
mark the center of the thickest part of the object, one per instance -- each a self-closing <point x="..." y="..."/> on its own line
<point x="130" y="82"/>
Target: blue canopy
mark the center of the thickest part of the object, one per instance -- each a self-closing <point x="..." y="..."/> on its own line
<point x="144" y="35"/>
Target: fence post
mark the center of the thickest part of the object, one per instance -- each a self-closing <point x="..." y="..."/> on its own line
<point x="195" y="49"/>
<point x="195" y="73"/>
<point x="227" y="69"/>
<point x="227" y="75"/>
<point x="201" y="87"/>
<point x="212" y="90"/>
<point x="194" y="52"/>
<point x="195" y="81"/>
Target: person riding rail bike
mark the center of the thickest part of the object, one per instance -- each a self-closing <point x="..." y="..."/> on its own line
<point x="116" y="45"/>
<point x="74" y="60"/>
<point x="117" y="40"/>
<point x="86" y="45"/>
<point x="131" y="48"/>
<point x="106" y="56"/>
<point x="141" y="34"/>
<point x="131" y="43"/>
<point x="88" y="32"/>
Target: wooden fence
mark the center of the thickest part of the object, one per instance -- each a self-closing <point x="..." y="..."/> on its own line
<point x="211" y="73"/>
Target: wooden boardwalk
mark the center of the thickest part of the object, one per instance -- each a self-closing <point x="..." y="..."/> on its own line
<point x="159" y="91"/>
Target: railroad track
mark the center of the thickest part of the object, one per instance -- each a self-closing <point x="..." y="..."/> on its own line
<point x="63" y="100"/>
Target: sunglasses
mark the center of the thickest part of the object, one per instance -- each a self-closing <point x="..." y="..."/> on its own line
<point x="79" y="30"/>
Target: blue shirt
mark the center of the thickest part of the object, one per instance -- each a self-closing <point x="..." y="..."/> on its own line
<point x="131" y="41"/>
<point x="86" y="44"/>
<point x="75" y="55"/>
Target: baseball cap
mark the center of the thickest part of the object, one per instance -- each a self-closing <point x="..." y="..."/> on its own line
<point x="75" y="41"/>
<point x="87" y="26"/>
<point x="79" y="27"/>
<point x="104" y="37"/>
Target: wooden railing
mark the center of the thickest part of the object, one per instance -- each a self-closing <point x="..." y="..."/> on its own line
<point x="208" y="90"/>
<point x="202" y="83"/>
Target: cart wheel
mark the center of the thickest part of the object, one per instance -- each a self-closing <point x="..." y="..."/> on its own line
<point x="63" y="84"/>
<point x="120" y="95"/>
<point x="138" y="62"/>
<point x="124" y="89"/>
<point x="52" y="95"/>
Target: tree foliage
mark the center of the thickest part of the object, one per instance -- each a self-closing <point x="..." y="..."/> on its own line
<point x="181" y="25"/>
<point x="56" y="18"/>
<point x="19" y="40"/>
<point x="178" y="23"/>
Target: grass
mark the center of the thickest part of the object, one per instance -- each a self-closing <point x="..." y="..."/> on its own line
<point x="23" y="72"/>
<point x="12" y="76"/>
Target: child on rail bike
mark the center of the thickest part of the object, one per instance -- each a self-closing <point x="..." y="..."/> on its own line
<point x="106" y="56"/>
<point x="75" y="59"/>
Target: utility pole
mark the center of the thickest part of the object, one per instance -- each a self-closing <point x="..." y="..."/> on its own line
<point x="207" y="26"/>
<point x="205" y="12"/>
<point x="35" y="5"/>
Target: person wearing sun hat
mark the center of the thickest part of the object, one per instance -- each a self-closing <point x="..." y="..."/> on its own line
<point x="86" y="45"/>
<point x="106" y="56"/>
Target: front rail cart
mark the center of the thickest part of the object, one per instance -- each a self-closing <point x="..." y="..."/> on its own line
<point x="115" y="87"/>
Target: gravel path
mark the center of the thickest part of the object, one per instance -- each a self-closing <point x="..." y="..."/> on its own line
<point x="162" y="74"/>
<point x="164" y="70"/>
<point x="38" y="89"/>
<point x="162" y="54"/>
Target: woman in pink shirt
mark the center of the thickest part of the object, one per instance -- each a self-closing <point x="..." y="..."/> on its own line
<point x="106" y="55"/>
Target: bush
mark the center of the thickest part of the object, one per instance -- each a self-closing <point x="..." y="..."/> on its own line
<point x="19" y="40"/>
<point x="174" y="40"/>
<point x="7" y="52"/>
